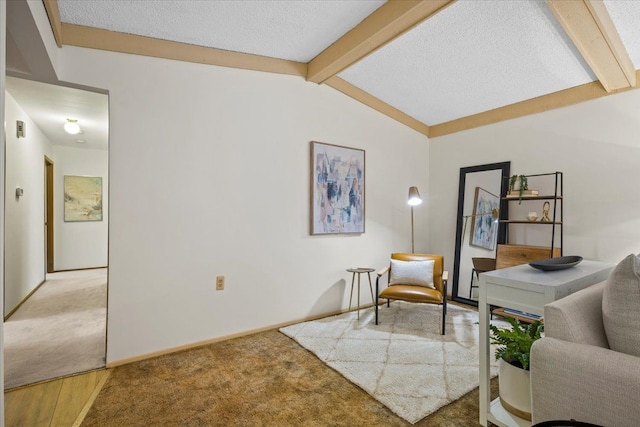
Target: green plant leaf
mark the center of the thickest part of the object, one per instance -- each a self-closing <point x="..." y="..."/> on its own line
<point x="514" y="344"/>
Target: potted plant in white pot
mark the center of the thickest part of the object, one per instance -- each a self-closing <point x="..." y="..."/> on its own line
<point x="513" y="353"/>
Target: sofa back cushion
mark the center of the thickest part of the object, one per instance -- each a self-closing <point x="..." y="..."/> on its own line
<point x="621" y="307"/>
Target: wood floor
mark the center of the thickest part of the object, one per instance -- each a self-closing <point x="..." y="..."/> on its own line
<point x="61" y="403"/>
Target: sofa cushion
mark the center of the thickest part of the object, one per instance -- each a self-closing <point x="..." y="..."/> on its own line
<point x="418" y="273"/>
<point x="621" y="307"/>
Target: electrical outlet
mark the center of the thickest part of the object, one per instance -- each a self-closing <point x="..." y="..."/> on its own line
<point x="219" y="283"/>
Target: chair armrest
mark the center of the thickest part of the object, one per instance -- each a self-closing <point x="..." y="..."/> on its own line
<point x="583" y="382"/>
<point x="383" y="271"/>
<point x="445" y="275"/>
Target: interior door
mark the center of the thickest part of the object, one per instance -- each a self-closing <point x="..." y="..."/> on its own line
<point x="48" y="219"/>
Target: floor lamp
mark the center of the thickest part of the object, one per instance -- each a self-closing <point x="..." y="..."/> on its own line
<point x="414" y="200"/>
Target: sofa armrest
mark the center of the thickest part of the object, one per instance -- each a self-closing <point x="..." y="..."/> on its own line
<point x="577" y="317"/>
<point x="585" y="383"/>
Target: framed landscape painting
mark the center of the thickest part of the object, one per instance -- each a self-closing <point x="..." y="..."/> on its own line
<point x="484" y="229"/>
<point x="337" y="189"/>
<point x="82" y="198"/>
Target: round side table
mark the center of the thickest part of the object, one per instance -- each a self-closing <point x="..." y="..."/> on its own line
<point x="359" y="271"/>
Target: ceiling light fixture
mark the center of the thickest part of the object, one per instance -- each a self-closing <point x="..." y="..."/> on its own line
<point x="72" y="127"/>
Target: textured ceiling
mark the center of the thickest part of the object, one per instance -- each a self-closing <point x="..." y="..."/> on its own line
<point x="470" y="57"/>
<point x="293" y="30"/>
<point x="49" y="106"/>
<point x="626" y="16"/>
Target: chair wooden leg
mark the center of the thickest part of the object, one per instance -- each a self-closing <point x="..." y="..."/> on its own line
<point x="376" y="301"/>
<point x="444" y="307"/>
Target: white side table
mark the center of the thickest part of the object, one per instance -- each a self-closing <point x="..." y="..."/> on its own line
<point x="524" y="288"/>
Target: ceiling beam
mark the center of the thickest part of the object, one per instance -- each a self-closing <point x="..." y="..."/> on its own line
<point x="53" y="13"/>
<point x="589" y="25"/>
<point x="540" y="104"/>
<point x="375" y="103"/>
<point x="97" y="38"/>
<point x="385" y="24"/>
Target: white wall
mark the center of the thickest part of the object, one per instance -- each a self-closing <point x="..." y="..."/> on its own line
<point x="24" y="217"/>
<point x="209" y="175"/>
<point x="3" y="43"/>
<point x="594" y="143"/>
<point x="80" y="244"/>
<point x="41" y="19"/>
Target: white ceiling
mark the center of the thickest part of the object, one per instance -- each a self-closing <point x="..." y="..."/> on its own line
<point x="49" y="106"/>
<point x="473" y="56"/>
<point x="626" y="16"/>
<point x="293" y="30"/>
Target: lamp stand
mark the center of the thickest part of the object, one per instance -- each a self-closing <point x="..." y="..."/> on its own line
<point x="412" y="248"/>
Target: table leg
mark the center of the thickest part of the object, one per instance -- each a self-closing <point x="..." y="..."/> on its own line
<point x="358" y="295"/>
<point x="373" y="300"/>
<point x="483" y="308"/>
<point x="353" y="277"/>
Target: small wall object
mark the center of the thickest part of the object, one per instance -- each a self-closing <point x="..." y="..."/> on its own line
<point x="546" y="207"/>
<point x="21" y="130"/>
<point x="19" y="192"/>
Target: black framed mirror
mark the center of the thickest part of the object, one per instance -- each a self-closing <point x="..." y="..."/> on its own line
<point x="478" y="230"/>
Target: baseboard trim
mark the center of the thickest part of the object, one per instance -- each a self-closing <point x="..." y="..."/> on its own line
<point x="22" y="301"/>
<point x="79" y="269"/>
<point x="197" y="344"/>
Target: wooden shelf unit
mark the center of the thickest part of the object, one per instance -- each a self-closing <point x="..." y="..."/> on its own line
<point x="556" y="214"/>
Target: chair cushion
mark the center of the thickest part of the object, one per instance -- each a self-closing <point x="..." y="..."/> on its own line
<point x="412" y="293"/>
<point x="621" y="307"/>
<point x="419" y="273"/>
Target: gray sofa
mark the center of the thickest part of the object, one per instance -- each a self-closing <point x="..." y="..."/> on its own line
<point x="574" y="373"/>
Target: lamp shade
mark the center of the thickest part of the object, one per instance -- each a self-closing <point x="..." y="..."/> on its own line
<point x="72" y="127"/>
<point x="414" y="196"/>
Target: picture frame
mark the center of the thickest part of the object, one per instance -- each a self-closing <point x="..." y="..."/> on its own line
<point x="484" y="229"/>
<point x="82" y="198"/>
<point x="337" y="189"/>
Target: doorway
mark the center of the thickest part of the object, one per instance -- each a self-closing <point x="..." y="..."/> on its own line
<point x="57" y="248"/>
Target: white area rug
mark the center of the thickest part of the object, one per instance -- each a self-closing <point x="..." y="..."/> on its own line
<point x="60" y="330"/>
<point x="403" y="362"/>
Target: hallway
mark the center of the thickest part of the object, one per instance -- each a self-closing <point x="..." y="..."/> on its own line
<point x="59" y="330"/>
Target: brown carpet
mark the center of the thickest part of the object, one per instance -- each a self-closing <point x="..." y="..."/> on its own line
<point x="265" y="379"/>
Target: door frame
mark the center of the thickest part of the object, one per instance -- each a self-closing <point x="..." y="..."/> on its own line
<point x="48" y="219"/>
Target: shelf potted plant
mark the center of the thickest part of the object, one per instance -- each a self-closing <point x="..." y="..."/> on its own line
<point x="518" y="183"/>
<point x="513" y="353"/>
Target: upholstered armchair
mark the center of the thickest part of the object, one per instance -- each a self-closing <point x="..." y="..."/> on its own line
<point x="587" y="367"/>
<point x="418" y="278"/>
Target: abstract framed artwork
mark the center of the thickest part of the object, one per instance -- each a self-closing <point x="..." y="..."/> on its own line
<point x="337" y="189"/>
<point x="82" y="198"/>
<point x="484" y="229"/>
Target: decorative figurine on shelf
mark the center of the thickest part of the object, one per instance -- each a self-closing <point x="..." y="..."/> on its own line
<point x="545" y="212"/>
